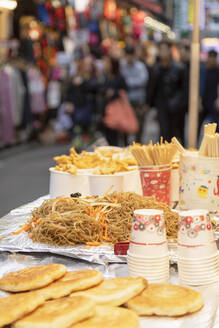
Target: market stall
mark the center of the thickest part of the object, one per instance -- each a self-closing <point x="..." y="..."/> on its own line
<point x="122" y="233"/>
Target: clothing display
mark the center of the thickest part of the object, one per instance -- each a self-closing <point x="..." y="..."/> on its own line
<point x="22" y="95"/>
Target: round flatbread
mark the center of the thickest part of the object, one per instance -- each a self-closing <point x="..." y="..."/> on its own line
<point x="110" y="317"/>
<point x="61" y="313"/>
<point x="32" y="277"/>
<point x="16" y="306"/>
<point x="166" y="300"/>
<point x="71" y="282"/>
<point x="115" y="291"/>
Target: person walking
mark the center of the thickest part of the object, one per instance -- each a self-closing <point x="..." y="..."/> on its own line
<point x="210" y="82"/>
<point x="111" y="87"/>
<point x="136" y="76"/>
<point x="167" y="92"/>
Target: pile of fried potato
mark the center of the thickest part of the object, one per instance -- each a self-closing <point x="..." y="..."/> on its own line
<point x="103" y="161"/>
<point x="49" y="296"/>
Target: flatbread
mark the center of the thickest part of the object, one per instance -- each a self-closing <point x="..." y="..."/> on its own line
<point x="16" y="306"/>
<point x="60" y="313"/>
<point x="166" y="300"/>
<point x="32" y="278"/>
<point x="71" y="282"/>
<point x="110" y="317"/>
<point x="115" y="291"/>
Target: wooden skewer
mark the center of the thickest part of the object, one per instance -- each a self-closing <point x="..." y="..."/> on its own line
<point x="180" y="148"/>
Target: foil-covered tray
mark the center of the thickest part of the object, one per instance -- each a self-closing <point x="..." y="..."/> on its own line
<point x="22" y="243"/>
<point x="208" y="317"/>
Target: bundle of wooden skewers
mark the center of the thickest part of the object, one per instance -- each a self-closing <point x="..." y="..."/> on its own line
<point x="158" y="154"/>
<point x="210" y="143"/>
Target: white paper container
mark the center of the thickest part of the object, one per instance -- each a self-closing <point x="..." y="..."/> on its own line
<point x="99" y="184"/>
<point x="62" y="184"/>
<point x="132" y="182"/>
<point x="174" y="190"/>
<point x="199" y="182"/>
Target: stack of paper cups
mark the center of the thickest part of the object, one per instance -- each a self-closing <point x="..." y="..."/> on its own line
<point x="197" y="250"/>
<point x="148" y="252"/>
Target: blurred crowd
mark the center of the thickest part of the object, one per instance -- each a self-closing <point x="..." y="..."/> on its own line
<point x="77" y="101"/>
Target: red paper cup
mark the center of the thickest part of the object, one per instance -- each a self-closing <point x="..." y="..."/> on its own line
<point x="155" y="181"/>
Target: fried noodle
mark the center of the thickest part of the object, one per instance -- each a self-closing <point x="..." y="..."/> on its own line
<point x="70" y="221"/>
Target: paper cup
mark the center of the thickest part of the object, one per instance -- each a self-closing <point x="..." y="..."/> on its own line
<point x="197" y="283"/>
<point x="62" y="184"/>
<point x="148" y="235"/>
<point x="154" y="272"/>
<point x="201" y="267"/>
<point x="150" y="276"/>
<point x="195" y="235"/>
<point x="200" y="260"/>
<point x="136" y="257"/>
<point x="100" y="184"/>
<point x="156" y="181"/>
<point x="200" y="273"/>
<point x="149" y="265"/>
<point x="151" y="280"/>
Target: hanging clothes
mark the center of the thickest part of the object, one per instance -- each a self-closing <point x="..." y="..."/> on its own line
<point x="37" y="91"/>
<point x="7" y="136"/>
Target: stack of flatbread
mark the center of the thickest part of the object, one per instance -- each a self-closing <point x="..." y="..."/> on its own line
<point x="48" y="296"/>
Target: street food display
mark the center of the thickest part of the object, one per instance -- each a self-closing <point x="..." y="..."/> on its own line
<point x="109" y="200"/>
<point x="92" y="305"/>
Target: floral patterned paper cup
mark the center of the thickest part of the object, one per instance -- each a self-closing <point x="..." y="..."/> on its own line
<point x="148" y="236"/>
<point x="195" y="235"/>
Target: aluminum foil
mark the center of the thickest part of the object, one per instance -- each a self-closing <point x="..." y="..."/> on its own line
<point x="208" y="317"/>
<point x="22" y="243"/>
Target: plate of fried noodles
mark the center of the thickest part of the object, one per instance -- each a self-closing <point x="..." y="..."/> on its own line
<point x="92" y="221"/>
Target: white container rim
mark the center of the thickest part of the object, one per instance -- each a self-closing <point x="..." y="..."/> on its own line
<point x="79" y="173"/>
<point x="195" y="154"/>
<point x="157" y="167"/>
<point x="119" y="174"/>
<point x="148" y="212"/>
<point x="195" y="212"/>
